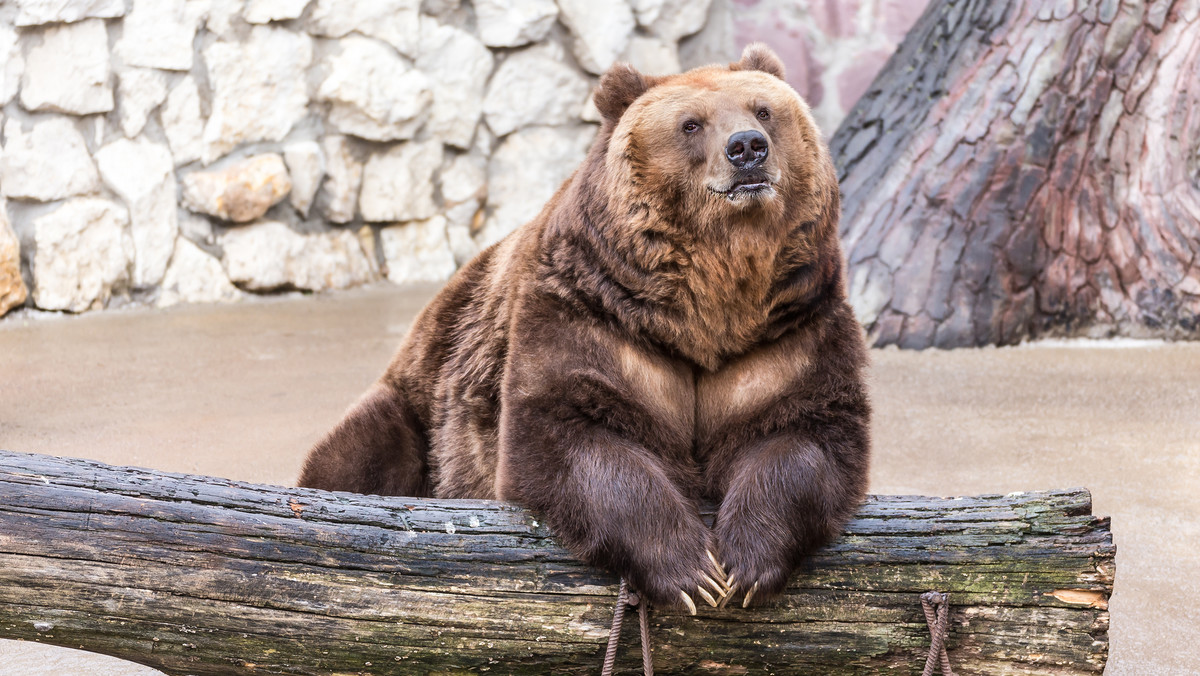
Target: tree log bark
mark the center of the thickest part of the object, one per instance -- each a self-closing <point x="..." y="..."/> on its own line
<point x="198" y="575"/>
<point x="1026" y="168"/>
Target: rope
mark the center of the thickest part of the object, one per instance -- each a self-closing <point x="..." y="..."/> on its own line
<point x="625" y="599"/>
<point x="647" y="658"/>
<point x="936" y="606"/>
<point x="937" y="615"/>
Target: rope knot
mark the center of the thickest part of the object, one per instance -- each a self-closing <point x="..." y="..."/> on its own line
<point x="625" y="600"/>
<point x="937" y="615"/>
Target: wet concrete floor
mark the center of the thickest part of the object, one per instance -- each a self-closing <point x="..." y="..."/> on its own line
<point x="241" y="391"/>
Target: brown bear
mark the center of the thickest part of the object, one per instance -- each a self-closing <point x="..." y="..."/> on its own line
<point x="671" y="328"/>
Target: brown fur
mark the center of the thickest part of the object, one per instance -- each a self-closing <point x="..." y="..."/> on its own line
<point x="648" y="341"/>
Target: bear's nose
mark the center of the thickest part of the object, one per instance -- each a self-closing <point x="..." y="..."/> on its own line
<point x="746" y="149"/>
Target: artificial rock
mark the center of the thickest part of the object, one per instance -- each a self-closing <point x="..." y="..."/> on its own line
<point x="12" y="288"/>
<point x="534" y="87"/>
<point x="373" y="94"/>
<point x="69" y="72"/>
<point x="398" y="183"/>
<point x="259" y="88"/>
<point x="82" y="253"/>
<point x="240" y="192"/>
<point x="142" y="174"/>
<point x="268" y="256"/>
<point x="418" y="251"/>
<point x="46" y="163"/>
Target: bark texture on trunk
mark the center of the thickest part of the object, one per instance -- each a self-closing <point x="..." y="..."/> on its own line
<point x="199" y="575"/>
<point x="1026" y="168"/>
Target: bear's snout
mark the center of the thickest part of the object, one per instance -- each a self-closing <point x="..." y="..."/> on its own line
<point x="746" y="149"/>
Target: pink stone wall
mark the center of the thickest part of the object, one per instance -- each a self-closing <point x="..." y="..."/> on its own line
<point x="833" y="48"/>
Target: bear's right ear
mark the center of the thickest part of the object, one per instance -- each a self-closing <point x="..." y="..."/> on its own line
<point x="758" y="56"/>
<point x="618" y="89"/>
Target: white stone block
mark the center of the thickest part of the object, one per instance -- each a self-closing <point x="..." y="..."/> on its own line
<point x="652" y="56"/>
<point x="195" y="277"/>
<point x="82" y="255"/>
<point x="266" y="11"/>
<point x="464" y="178"/>
<point x="526" y="170"/>
<point x="396" y="22"/>
<point x="458" y="66"/>
<point x="259" y="88"/>
<point x="512" y="23"/>
<point x="534" y="87"/>
<point x="398" y="183"/>
<point x="183" y="123"/>
<point x="69" y="71"/>
<point x="417" y="252"/>
<point x="306" y="166"/>
<point x="268" y="255"/>
<point x="600" y="30"/>
<point x="158" y="34"/>
<point x="36" y="12"/>
<point x="373" y="93"/>
<point x="142" y="174"/>
<point x="139" y="92"/>
<point x="12" y="63"/>
<point x="49" y="162"/>
<point x="680" y="18"/>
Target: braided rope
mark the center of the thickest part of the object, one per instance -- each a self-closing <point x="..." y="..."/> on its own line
<point x="937" y="615"/>
<point x="625" y="600"/>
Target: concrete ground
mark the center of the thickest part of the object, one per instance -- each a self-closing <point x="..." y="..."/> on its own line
<point x="242" y="391"/>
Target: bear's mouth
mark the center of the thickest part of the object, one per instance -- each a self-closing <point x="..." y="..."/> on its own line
<point x="750" y="185"/>
<point x="747" y="186"/>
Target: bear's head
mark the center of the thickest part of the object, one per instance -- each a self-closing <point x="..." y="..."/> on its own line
<point x="715" y="146"/>
<point x="709" y="196"/>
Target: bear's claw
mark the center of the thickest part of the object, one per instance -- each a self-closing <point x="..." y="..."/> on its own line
<point x="729" y="594"/>
<point x="720" y="588"/>
<point x="716" y="564"/>
<point x="687" y="600"/>
<point x="749" y="595"/>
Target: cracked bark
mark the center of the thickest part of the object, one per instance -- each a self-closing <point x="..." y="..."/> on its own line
<point x="1028" y="168"/>
<point x="199" y="575"/>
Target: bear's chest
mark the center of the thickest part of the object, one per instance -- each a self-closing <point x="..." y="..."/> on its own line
<point x="699" y="405"/>
<point x="747" y="388"/>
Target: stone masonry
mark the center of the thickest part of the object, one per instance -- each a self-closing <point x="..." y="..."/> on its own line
<point x="167" y="151"/>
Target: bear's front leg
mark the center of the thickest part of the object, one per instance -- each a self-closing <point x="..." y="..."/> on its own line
<point x="604" y="460"/>
<point x="614" y="507"/>
<point x="785" y="438"/>
<point x="786" y="496"/>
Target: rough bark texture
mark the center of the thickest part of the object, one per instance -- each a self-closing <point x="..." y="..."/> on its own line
<point x="1026" y="168"/>
<point x="200" y="575"/>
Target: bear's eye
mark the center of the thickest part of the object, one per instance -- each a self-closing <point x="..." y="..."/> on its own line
<point x="691" y="127"/>
<point x="764" y="114"/>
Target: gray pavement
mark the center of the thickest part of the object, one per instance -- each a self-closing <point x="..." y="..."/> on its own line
<point x="241" y="391"/>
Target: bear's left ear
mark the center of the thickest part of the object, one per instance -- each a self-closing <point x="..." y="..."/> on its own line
<point x="618" y="89"/>
<point x="758" y="56"/>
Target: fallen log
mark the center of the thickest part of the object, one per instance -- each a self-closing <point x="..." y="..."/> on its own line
<point x="199" y="575"/>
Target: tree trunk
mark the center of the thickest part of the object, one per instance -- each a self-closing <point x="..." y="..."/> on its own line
<point x="1025" y="168"/>
<point x="197" y="575"/>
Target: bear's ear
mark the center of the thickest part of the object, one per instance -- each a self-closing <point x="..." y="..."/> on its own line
<point x="758" y="56"/>
<point x="618" y="89"/>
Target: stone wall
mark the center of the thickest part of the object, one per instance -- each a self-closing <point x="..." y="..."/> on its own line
<point x="165" y="151"/>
